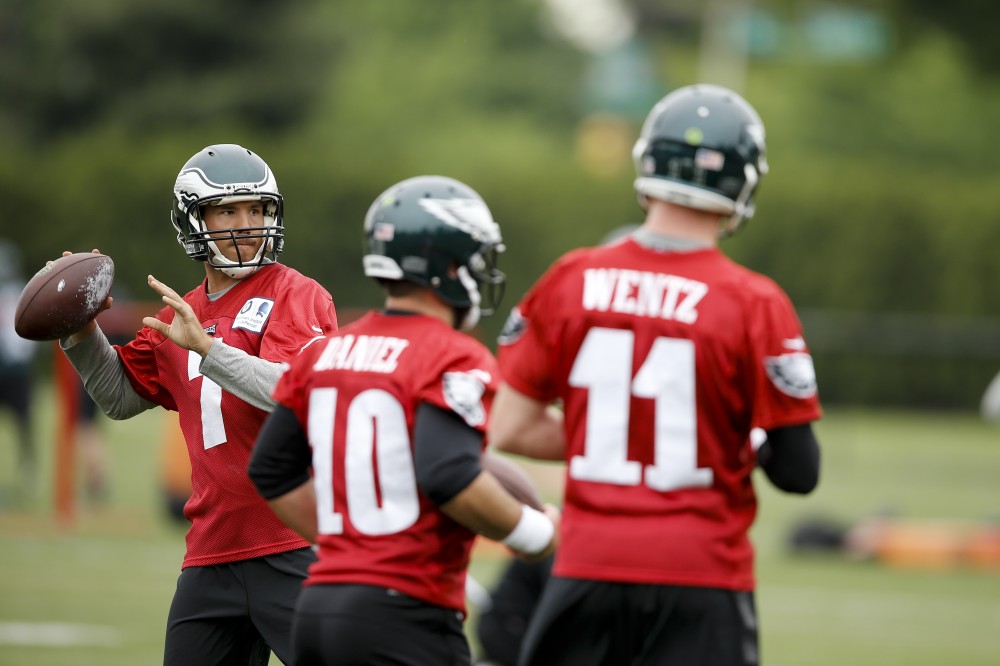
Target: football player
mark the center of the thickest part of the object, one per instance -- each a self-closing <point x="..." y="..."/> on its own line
<point x="17" y="385"/>
<point x="374" y="448"/>
<point x="664" y="354"/>
<point x="214" y="356"/>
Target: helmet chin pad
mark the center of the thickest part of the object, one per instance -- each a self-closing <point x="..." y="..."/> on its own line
<point x="243" y="267"/>
<point x="471" y="318"/>
<point x="472" y="315"/>
<point x="238" y="273"/>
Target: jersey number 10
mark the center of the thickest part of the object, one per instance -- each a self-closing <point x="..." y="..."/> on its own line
<point x="375" y="430"/>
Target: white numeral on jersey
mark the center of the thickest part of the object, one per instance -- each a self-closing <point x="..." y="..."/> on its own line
<point x="603" y="366"/>
<point x="213" y="430"/>
<point x="376" y="436"/>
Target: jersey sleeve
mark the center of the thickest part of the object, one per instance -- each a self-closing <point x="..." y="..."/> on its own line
<point x="526" y="342"/>
<point x="784" y="378"/>
<point x="309" y="314"/>
<point x="138" y="357"/>
<point x="464" y="384"/>
<point x="290" y="390"/>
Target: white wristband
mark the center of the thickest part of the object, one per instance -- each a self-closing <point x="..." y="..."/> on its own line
<point x="532" y="534"/>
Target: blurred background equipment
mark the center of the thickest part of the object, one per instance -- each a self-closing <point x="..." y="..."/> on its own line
<point x="17" y="383"/>
<point x="93" y="449"/>
<point x="175" y="469"/>
<point x="901" y="542"/>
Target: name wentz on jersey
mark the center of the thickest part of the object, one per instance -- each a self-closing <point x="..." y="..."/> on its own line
<point x="642" y="293"/>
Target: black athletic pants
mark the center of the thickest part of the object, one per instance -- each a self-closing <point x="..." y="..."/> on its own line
<point x="234" y="614"/>
<point x="595" y="623"/>
<point x="362" y="625"/>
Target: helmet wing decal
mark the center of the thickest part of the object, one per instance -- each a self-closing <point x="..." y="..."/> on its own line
<point x="468" y="215"/>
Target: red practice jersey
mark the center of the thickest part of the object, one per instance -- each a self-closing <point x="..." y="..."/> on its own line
<point x="356" y="395"/>
<point x="663" y="361"/>
<point x="272" y="314"/>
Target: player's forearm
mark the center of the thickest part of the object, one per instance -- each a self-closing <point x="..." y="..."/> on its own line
<point x="485" y="508"/>
<point x="249" y="378"/>
<point x="790" y="457"/>
<point x="103" y="376"/>
<point x="297" y="509"/>
<point x="526" y="427"/>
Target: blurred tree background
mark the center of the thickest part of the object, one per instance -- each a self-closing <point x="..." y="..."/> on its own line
<point x="876" y="216"/>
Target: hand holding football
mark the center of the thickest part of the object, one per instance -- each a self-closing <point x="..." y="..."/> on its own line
<point x="64" y="296"/>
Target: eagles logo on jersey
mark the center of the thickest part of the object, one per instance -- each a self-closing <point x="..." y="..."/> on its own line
<point x="792" y="374"/>
<point x="463" y="392"/>
<point x="513" y="328"/>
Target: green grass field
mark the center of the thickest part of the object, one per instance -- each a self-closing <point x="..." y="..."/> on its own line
<point x="97" y="593"/>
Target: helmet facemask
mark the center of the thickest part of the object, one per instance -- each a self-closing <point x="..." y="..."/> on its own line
<point x="205" y="242"/>
<point x="484" y="283"/>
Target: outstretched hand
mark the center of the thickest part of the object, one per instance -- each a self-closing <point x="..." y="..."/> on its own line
<point x="185" y="330"/>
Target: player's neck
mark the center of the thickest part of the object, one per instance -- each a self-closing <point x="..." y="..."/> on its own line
<point x="667" y="219"/>
<point x="217" y="280"/>
<point x="422" y="302"/>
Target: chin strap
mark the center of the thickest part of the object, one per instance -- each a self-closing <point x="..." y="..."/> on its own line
<point x="471" y="317"/>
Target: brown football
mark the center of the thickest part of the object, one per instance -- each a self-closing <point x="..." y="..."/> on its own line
<point x="62" y="297"/>
<point x="513" y="478"/>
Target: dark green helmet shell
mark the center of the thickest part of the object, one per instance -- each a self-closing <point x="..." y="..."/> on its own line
<point x="702" y="146"/>
<point x="436" y="232"/>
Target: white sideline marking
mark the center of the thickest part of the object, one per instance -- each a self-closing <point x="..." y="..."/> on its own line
<point x="57" y="634"/>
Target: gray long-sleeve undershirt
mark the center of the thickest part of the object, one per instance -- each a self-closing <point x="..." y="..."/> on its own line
<point x="247" y="377"/>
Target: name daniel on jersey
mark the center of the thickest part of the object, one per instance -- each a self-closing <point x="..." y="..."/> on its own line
<point x="371" y="353"/>
<point x="642" y="293"/>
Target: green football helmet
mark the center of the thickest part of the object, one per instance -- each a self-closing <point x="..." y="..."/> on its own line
<point x="438" y="233"/>
<point x="222" y="174"/>
<point x="702" y="146"/>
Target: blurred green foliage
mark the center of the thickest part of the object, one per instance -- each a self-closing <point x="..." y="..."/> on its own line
<point x="879" y="198"/>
